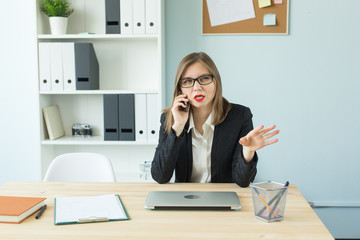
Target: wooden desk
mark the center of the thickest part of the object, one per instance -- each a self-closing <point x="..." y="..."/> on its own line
<point x="300" y="221"/>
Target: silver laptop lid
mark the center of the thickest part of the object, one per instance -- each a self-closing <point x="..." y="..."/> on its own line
<point x="192" y="200"/>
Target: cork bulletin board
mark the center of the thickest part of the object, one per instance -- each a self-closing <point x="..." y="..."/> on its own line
<point x="279" y="14"/>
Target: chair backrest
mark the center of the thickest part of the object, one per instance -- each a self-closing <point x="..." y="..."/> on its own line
<point x="80" y="167"/>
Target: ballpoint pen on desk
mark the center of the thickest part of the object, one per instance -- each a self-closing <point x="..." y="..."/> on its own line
<point x="42" y="209"/>
<point x="272" y="200"/>
<point x="262" y="199"/>
<point x="280" y="194"/>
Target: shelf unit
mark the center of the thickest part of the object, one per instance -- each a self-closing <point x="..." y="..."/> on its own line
<point x="129" y="64"/>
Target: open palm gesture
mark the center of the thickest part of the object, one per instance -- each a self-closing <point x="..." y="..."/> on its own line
<point x="256" y="138"/>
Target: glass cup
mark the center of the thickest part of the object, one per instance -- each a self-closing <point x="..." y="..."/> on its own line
<point x="269" y="199"/>
<point x="145" y="170"/>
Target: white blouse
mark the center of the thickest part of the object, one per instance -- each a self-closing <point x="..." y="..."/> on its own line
<point x="201" y="150"/>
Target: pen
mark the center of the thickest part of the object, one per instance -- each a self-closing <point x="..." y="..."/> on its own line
<point x="278" y="199"/>
<point x="267" y="206"/>
<point x="272" y="200"/>
<point x="42" y="209"/>
<point x="93" y="219"/>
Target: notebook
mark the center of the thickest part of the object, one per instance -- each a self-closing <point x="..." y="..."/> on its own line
<point x="16" y="209"/>
<point x="53" y="122"/>
<point x="192" y="200"/>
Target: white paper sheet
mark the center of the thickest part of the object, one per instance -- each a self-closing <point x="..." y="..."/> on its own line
<point x="71" y="209"/>
<point x="228" y="11"/>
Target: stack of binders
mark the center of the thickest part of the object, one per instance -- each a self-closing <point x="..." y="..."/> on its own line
<point x="131" y="16"/>
<point x="131" y="117"/>
<point x="68" y="66"/>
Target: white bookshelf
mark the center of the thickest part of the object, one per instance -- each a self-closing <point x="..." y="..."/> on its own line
<point x="128" y="64"/>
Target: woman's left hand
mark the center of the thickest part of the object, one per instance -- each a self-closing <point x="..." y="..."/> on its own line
<point x="256" y="138"/>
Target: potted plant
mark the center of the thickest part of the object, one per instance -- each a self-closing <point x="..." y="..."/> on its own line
<point x="58" y="12"/>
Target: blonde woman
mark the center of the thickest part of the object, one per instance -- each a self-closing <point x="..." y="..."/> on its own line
<point x="203" y="137"/>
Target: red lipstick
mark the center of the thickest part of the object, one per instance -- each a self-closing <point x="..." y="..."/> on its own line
<point x="199" y="98"/>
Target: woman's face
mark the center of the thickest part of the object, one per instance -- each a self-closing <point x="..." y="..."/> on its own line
<point x="200" y="96"/>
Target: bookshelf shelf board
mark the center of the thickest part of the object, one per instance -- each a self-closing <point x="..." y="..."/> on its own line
<point x="97" y="92"/>
<point x="96" y="36"/>
<point x="93" y="140"/>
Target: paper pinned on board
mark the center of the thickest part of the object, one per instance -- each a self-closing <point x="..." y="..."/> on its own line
<point x="264" y="3"/>
<point x="269" y="19"/>
<point x="89" y="209"/>
<point x="223" y="12"/>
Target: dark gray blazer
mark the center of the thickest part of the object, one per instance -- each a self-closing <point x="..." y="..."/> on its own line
<point x="227" y="163"/>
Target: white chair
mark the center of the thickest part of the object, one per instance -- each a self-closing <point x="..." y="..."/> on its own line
<point x="80" y="167"/>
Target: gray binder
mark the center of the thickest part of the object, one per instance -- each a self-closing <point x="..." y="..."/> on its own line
<point x="126" y="117"/>
<point x="112" y="15"/>
<point x="86" y="67"/>
<point x="111" y="117"/>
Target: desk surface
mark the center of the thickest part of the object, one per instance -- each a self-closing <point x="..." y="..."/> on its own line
<point x="300" y="221"/>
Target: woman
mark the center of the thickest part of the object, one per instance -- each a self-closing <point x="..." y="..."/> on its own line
<point x="203" y="137"/>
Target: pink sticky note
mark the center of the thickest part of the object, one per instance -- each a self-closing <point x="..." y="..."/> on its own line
<point x="278" y="1"/>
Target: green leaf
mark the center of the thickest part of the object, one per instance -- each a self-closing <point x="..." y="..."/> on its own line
<point x="56" y="8"/>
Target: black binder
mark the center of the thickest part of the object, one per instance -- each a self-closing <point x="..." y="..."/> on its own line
<point x="126" y="117"/>
<point x="86" y="67"/>
<point x="111" y="117"/>
<point x="112" y="15"/>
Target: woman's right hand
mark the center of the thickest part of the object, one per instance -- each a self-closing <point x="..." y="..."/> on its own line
<point x="180" y="113"/>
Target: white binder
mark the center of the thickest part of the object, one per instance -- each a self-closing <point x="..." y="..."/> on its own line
<point x="151" y="16"/>
<point x="44" y="67"/>
<point x="56" y="67"/>
<point x="139" y="16"/>
<point x="153" y="117"/>
<point x="126" y="17"/>
<point x="140" y="118"/>
<point x="68" y="63"/>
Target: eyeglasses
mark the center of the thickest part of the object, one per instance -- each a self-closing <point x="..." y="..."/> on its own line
<point x="190" y="82"/>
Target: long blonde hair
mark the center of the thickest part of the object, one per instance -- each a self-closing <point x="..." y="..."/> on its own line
<point x="221" y="106"/>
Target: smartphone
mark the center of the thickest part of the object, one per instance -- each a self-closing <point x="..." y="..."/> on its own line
<point x="186" y="108"/>
<point x="186" y="104"/>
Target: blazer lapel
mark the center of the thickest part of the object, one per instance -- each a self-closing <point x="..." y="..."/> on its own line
<point x="214" y="151"/>
<point x="189" y="156"/>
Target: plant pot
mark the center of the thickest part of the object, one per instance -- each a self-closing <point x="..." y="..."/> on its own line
<point x="58" y="25"/>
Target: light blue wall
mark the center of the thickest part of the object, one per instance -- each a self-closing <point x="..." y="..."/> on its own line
<point x="306" y="82"/>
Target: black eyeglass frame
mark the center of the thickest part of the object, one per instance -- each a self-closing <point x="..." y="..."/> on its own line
<point x="197" y="80"/>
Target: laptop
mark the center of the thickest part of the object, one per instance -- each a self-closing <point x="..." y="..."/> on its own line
<point x="176" y="200"/>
